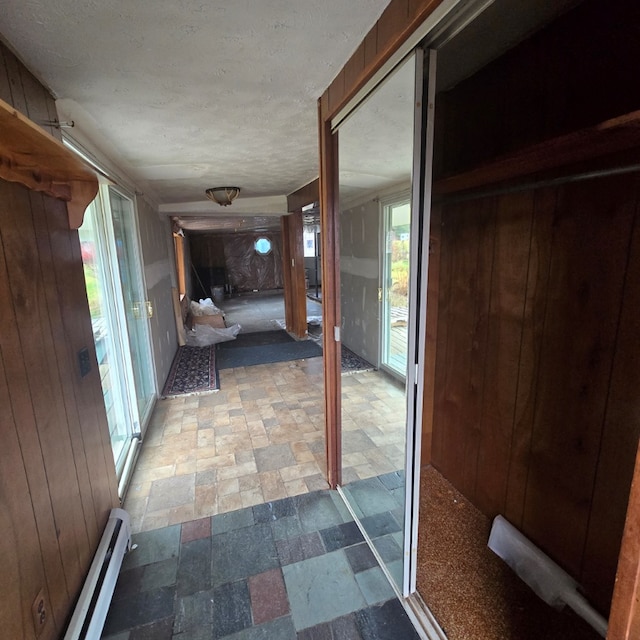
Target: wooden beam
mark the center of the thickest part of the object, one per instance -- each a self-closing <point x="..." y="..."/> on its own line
<point x="618" y="134"/>
<point x="308" y="194"/>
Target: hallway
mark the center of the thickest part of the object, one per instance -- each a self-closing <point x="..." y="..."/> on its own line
<point x="261" y="436"/>
<point x="235" y="529"/>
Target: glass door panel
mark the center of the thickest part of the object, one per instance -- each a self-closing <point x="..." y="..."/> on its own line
<point x="107" y="332"/>
<point x="375" y="165"/>
<point x="136" y="309"/>
<point x="395" y="286"/>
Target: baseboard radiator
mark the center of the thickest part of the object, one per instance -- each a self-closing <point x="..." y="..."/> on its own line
<point x="91" y="610"/>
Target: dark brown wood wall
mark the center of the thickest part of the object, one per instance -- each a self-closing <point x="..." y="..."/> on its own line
<point x="57" y="476"/>
<point x="535" y="413"/>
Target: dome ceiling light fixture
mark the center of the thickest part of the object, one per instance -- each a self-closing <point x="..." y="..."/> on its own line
<point x="224" y="196"/>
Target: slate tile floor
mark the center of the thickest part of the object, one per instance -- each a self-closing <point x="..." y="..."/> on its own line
<point x="295" y="568"/>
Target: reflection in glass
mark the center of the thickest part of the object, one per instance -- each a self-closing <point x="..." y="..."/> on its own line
<point x="105" y="331"/>
<point x="375" y="162"/>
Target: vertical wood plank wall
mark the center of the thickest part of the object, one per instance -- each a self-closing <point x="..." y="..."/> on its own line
<point x="535" y="414"/>
<point x="57" y="476"/>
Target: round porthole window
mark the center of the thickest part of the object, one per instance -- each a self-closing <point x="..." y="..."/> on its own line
<point x="263" y="246"/>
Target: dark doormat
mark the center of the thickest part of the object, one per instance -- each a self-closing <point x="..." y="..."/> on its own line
<point x="193" y="371"/>
<point x="353" y="363"/>
<point x="264" y="347"/>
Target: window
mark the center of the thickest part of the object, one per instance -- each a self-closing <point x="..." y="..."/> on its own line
<point x="263" y="246"/>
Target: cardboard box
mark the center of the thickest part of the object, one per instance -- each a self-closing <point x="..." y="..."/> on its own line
<point x="215" y="321"/>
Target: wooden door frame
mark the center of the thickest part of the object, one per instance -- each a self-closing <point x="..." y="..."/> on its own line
<point x="295" y="294"/>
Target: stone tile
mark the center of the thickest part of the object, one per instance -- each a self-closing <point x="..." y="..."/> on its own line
<point x="140" y="609"/>
<point x="153" y="546"/>
<point x="380" y="524"/>
<point x="385" y="622"/>
<point x="303" y="547"/>
<point x="207" y="477"/>
<point x="321" y="589"/>
<point x="171" y="492"/>
<point x="241" y="553"/>
<point x="279" y="629"/>
<point x="346" y="627"/>
<point x="158" y="630"/>
<point x="232" y="520"/>
<point x="159" y="574"/>
<point x="194" y="567"/>
<point x="195" y="530"/>
<point x="295" y="487"/>
<point x="226" y="487"/>
<point x="230" y="502"/>
<point x="194" y="611"/>
<point x="268" y="596"/>
<point x="388" y="548"/>
<point x="321" y="631"/>
<point x="271" y="511"/>
<point x="231" y="609"/>
<point x="317" y="511"/>
<point x="342" y="535"/>
<point x="129" y="583"/>
<point x="360" y="557"/>
<point x="276" y="456"/>
<point x="374" y="586"/>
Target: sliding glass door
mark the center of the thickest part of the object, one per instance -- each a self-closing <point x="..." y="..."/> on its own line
<point x="395" y="285"/>
<point x="113" y="276"/>
<point x="376" y="159"/>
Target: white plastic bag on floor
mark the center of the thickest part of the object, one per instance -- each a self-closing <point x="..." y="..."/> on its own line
<point x="204" y="308"/>
<point x="203" y="335"/>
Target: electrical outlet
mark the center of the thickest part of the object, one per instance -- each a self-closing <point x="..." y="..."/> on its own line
<point x="40" y="612"/>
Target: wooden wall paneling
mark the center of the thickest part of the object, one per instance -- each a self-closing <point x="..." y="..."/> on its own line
<point x="71" y="289"/>
<point x="355" y="66"/>
<point x="29" y="301"/>
<point x="514" y="217"/>
<point x="431" y="328"/>
<point x="20" y="554"/>
<point x="23" y="413"/>
<point x="62" y="359"/>
<point x="469" y="239"/>
<point x="440" y="406"/>
<point x="5" y="88"/>
<point x="18" y="99"/>
<point x="370" y="49"/>
<point x="589" y="253"/>
<point x="37" y="99"/>
<point x="392" y="24"/>
<point x="538" y="268"/>
<point x="619" y="440"/>
<point x="484" y="223"/>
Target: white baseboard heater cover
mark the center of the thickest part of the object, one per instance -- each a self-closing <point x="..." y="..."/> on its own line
<point x="551" y="583"/>
<point x="91" y="610"/>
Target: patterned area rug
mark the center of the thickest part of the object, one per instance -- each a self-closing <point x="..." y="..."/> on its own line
<point x="193" y="371"/>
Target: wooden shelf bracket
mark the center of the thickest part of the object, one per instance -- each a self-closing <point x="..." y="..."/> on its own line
<point x="34" y="158"/>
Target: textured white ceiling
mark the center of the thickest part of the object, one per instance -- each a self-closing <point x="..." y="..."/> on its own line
<point x="187" y="94"/>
